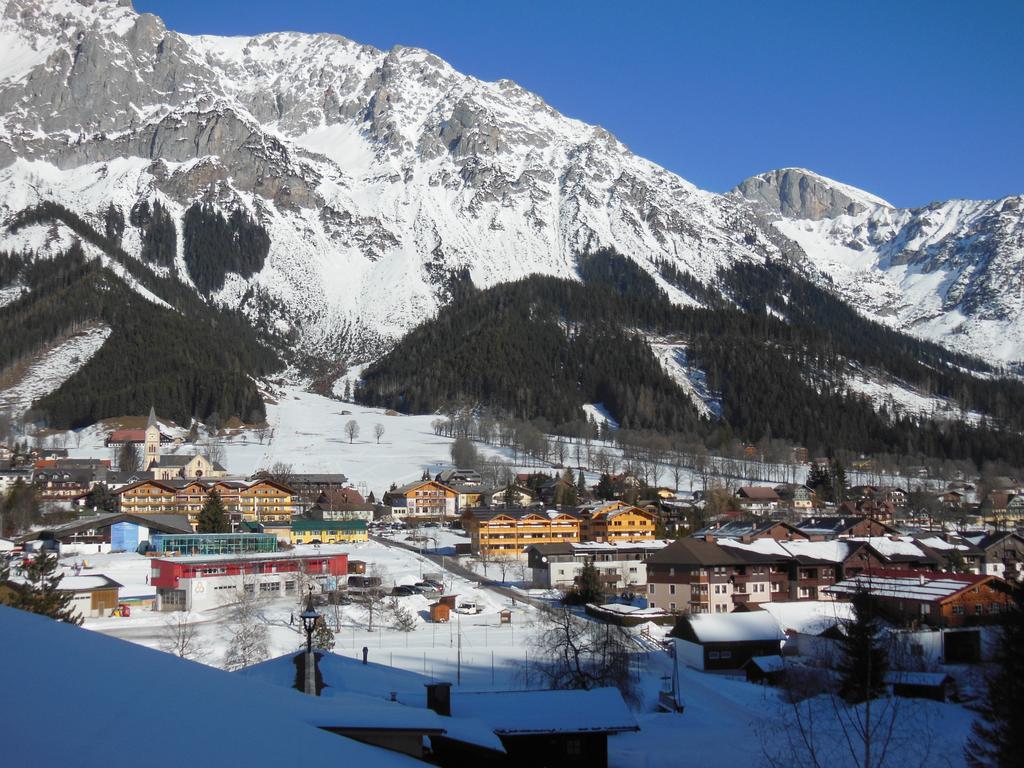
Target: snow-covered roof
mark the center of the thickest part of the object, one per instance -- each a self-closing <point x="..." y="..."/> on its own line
<point x="86" y="583"/>
<point x="934" y="679"/>
<point x="120" y="677"/>
<point x="892" y="546"/>
<point x="831" y="551"/>
<point x="809" y="617"/>
<point x="734" y="627"/>
<point x="522" y="712"/>
<point x="929" y="587"/>
<point x="768" y="663"/>
<point x="349" y="681"/>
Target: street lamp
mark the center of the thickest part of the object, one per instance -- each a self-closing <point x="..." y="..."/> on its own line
<point x="309" y="617"/>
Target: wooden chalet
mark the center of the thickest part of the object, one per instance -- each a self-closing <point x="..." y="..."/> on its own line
<point x="509" y="531"/>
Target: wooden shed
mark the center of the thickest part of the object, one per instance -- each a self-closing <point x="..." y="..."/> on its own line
<point x="919" y="685"/>
<point x="440" y="612"/>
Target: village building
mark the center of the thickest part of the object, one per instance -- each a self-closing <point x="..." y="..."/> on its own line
<point x="752" y="530"/>
<point x="615" y="521"/>
<point x="212" y="543"/>
<point x="111" y="532"/>
<point x="91" y="596"/>
<point x="200" y="582"/>
<point x="1003" y="554"/>
<point x="507" y="532"/>
<point x="758" y="500"/>
<point x="718" y="643"/>
<point x="567" y="728"/>
<point x="263" y="502"/>
<point x="691" y="576"/>
<point x="337" y="504"/>
<point x="64" y="485"/>
<point x="424" y="500"/>
<point x="795" y="497"/>
<point x="328" y="532"/>
<point x="620" y="565"/>
<point x="511" y="495"/>
<point x="932" y="598"/>
<point x="838" y="526"/>
<point x="467" y="477"/>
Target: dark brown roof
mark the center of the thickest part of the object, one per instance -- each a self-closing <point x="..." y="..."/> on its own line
<point x="692" y="552"/>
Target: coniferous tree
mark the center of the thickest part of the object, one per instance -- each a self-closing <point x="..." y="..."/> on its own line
<point x="41" y="591"/>
<point x="212" y="518"/>
<point x="864" y="662"/>
<point x="511" y="495"/>
<point x="605" y="487"/>
<point x="840" y="486"/>
<point x="997" y="736"/>
<point x="588" y="587"/>
<point x="323" y="637"/>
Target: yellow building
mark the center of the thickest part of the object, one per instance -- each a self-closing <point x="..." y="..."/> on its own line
<point x="263" y="502"/>
<point x="321" y="532"/>
<point x="609" y="521"/>
<point x="507" y="532"/>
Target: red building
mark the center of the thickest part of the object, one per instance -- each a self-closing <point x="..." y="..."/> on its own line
<point x="200" y="582"/>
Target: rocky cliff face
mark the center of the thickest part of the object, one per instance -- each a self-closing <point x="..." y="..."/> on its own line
<point x="951" y="271"/>
<point x="378" y="174"/>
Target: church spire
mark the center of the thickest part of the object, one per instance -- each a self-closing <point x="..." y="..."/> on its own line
<point x="152" y="418"/>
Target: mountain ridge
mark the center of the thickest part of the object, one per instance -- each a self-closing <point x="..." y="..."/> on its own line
<point x="383" y="181"/>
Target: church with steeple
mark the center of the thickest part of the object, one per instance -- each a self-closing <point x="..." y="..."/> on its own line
<point x="170" y="466"/>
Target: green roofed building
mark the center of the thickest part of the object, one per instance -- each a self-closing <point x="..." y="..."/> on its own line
<point x="328" y="532"/>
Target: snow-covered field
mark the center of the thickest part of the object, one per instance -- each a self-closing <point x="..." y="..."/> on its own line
<point x="431" y="645"/>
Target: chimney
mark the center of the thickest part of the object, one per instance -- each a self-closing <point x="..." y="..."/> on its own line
<point x="439" y="698"/>
<point x="920" y="579"/>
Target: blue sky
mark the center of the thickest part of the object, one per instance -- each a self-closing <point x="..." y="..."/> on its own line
<point x="914" y="101"/>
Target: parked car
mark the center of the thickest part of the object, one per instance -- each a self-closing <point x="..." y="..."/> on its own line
<point x="426" y="587"/>
<point x="403" y="591"/>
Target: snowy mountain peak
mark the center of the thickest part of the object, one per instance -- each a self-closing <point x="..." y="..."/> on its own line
<point x="379" y="175"/>
<point x="798" y="193"/>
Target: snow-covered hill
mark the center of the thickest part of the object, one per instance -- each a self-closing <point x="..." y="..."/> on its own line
<point x="951" y="272"/>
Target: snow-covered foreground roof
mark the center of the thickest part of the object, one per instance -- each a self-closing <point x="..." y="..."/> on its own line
<point x="80" y="692"/>
<point x="364" y="691"/>
<point x="523" y="712"/>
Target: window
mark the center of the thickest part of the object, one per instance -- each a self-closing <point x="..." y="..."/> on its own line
<point x="650" y="589"/>
<point x="958" y="610"/>
<point x="671" y="589"/>
<point x="671" y="606"/>
<point x="977" y="608"/>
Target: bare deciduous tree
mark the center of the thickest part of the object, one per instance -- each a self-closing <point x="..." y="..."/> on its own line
<point x="378" y="432"/>
<point x="180" y="636"/>
<point x="351" y="430"/>
<point x="246" y="629"/>
<point x="579" y="653"/>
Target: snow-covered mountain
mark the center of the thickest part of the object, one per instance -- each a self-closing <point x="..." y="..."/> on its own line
<point x="380" y="174"/>
<point x="951" y="272"/>
<point x="376" y="173"/>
